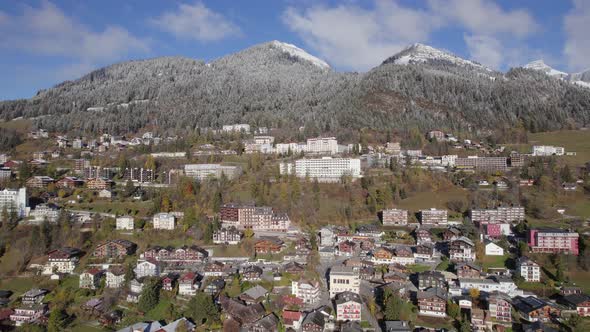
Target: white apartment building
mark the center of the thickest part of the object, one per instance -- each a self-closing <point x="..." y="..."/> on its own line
<point x="125" y="223"/>
<point x="205" y="171"/>
<point x="322" y="145"/>
<point x="293" y="148"/>
<point x="528" y="269"/>
<point x="44" y="212"/>
<point x="548" y="150"/>
<point x="502" y="214"/>
<point x="308" y="291"/>
<point x="14" y="200"/>
<point x="344" y="279"/>
<point x="498" y="284"/>
<point x="147" y="269"/>
<point x="394" y="217"/>
<point x="164" y="220"/>
<point x="433" y="217"/>
<point x="236" y="128"/>
<point x="324" y="169"/>
<point x="115" y="278"/>
<point x="348" y="307"/>
<point x="264" y="140"/>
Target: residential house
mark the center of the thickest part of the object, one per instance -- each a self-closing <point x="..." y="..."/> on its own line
<point x="69" y="182"/>
<point x="176" y="256"/>
<point x="34" y="296"/>
<point x="397" y="326"/>
<point x="452" y="233"/>
<point x="480" y="320"/>
<point x="424" y="252"/>
<point x="115" y="277"/>
<point x="534" y="309"/>
<point x="428" y="279"/>
<point x="432" y="302"/>
<point x="114" y="249"/>
<point x="468" y="270"/>
<point x="490" y="284"/>
<point x="147" y="268"/>
<point x="268" y="246"/>
<point x="578" y="302"/>
<point x="269" y="322"/>
<point x="348" y="306"/>
<point x="163" y="220"/>
<point x="294" y="268"/>
<point x="214" y="269"/>
<point x="251" y="273"/>
<point x="90" y="278"/>
<point x="28" y="313"/>
<point x="105" y="193"/>
<point x="292" y="319"/>
<point x="188" y="285"/>
<point x="39" y="182"/>
<point x="63" y="260"/>
<point x="423" y="236"/>
<point x="528" y="269"/>
<point x="347" y="248"/>
<point x="492" y="249"/>
<point x="394" y="217"/>
<point x="125" y="223"/>
<point x="308" y="291"/>
<point x="227" y="235"/>
<point x="135" y="289"/>
<point x="169" y="281"/>
<point x="99" y="183"/>
<point x="214" y="286"/>
<point x="314" y="321"/>
<point x="462" y="250"/>
<point x="254" y="295"/>
<point x="500" y="307"/>
<point x="569" y="290"/>
<point x="327" y="236"/>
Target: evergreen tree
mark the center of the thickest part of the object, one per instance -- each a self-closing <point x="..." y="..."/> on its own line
<point x="150" y="295"/>
<point x="201" y="309"/>
<point x="57" y="320"/>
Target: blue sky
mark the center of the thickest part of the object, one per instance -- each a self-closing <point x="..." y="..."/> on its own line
<point x="44" y="42"/>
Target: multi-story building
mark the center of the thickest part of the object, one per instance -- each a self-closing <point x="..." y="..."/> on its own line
<point x="203" y="172"/>
<point x="248" y="216"/>
<point x="34" y="296"/>
<point x="434" y="217"/>
<point x="125" y="223"/>
<point x="39" y="182"/>
<point x="115" y="277"/>
<point x="63" y="260"/>
<point x="239" y="127"/>
<point x="348" y="307"/>
<point x="322" y="145"/>
<point x="99" y="183"/>
<point x="44" y="212"/>
<point x="500" y="307"/>
<point x="92" y="172"/>
<point x="28" y="313"/>
<point x="90" y="279"/>
<point x="393" y="148"/>
<point x="147" y="268"/>
<point x="485" y="164"/>
<point x="188" y="285"/>
<point x="5" y="174"/>
<point x="468" y="270"/>
<point x="229" y="235"/>
<point x="186" y="255"/>
<point x="462" y="250"/>
<point x="118" y="248"/>
<point x="141" y="175"/>
<point x="269" y="245"/>
<point x="528" y="269"/>
<point x="69" y="182"/>
<point x="290" y="148"/>
<point x="164" y="220"/>
<point x="394" y="217"/>
<point x="553" y="241"/>
<point x="432" y="302"/>
<point x="324" y="169"/>
<point x="344" y="279"/>
<point x="423" y="236"/>
<point x="308" y="291"/>
<point x="504" y="214"/>
<point x="80" y="165"/>
<point x="548" y="150"/>
<point x="428" y="279"/>
<point x="488" y="285"/>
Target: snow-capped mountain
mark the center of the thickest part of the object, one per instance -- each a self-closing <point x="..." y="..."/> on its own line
<point x="417" y="53"/>
<point x="581" y="79"/>
<point x="540" y="65"/>
<point x="297" y="52"/>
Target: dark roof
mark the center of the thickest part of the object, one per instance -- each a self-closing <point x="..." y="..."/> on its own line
<point x="269" y="322"/>
<point x="241" y="312"/>
<point x="315" y="318"/>
<point x="528" y="304"/>
<point x="346" y="297"/>
<point x="432" y="292"/>
<point x="576" y="299"/>
<point x="397" y="326"/>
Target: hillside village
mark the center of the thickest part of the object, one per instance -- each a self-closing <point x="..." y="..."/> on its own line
<point x="235" y="230"/>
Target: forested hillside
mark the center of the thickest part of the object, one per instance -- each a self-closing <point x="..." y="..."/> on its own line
<point x="266" y="85"/>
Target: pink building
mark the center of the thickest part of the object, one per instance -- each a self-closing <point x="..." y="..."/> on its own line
<point x="553" y="241"/>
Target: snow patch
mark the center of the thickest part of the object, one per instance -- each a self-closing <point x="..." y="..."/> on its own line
<point x="299" y="53"/>
<point x="422" y="53"/>
<point x="540" y="65"/>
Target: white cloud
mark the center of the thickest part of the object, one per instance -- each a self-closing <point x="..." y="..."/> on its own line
<point x="359" y="38"/>
<point x="577" y="28"/>
<point x="486" y="50"/>
<point x="196" y="22"/>
<point x="47" y="30"/>
<point x="356" y="38"/>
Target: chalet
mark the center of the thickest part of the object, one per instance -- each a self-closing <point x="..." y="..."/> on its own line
<point x="569" y="290"/>
<point x="292" y="319"/>
<point x="125" y="223"/>
<point x="115" y="277"/>
<point x="188" y="285"/>
<point x="294" y="268"/>
<point x="147" y="268"/>
<point x="63" y="260"/>
<point x="424" y="252"/>
<point x="347" y="248"/>
<point x="164" y="220"/>
<point x="254" y="295"/>
<point x="93" y="307"/>
<point x="90" y="279"/>
<point x="383" y="255"/>
<point x="480" y="320"/>
<point x="99" y="183"/>
<point x="114" y="249"/>
<point x="403" y="255"/>
<point x="432" y="302"/>
<point x="39" y="182"/>
<point x="135" y="289"/>
<point x="240" y="313"/>
<point x="348" y="306"/>
<point x="451" y="234"/>
<point x="423" y="236"/>
<point x="395" y="276"/>
<point x="315" y="321"/>
<point x="215" y="269"/>
<point x="214" y="287"/>
<point x="269" y="322"/>
<point x="34" y="296"/>
<point x="229" y="235"/>
<point x="468" y="270"/>
<point x="308" y="291"/>
<point x="28" y="313"/>
<point x="534" y="309"/>
<point x="428" y="279"/>
<point x="268" y="246"/>
<point x="251" y="273"/>
<point x="169" y="281"/>
<point x="182" y="255"/>
<point x="462" y="250"/>
<point x="578" y="302"/>
<point x="69" y="182"/>
<point x="492" y="249"/>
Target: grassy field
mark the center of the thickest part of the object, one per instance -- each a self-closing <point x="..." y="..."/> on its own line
<point x="416" y="268"/>
<point x="494" y="261"/>
<point x="17" y="285"/>
<point x="572" y="140"/>
<point x="437" y="199"/>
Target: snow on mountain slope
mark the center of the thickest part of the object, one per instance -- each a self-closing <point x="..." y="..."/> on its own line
<point x="423" y="53"/>
<point x="299" y="53"/>
<point x="540" y="65"/>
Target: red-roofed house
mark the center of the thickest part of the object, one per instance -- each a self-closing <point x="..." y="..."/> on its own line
<point x="292" y="319"/>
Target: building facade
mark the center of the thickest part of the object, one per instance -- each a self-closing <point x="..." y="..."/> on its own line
<point x="203" y="172"/>
<point x="344" y="279"/>
<point x="324" y="169"/>
<point x="556" y="241"/>
<point x="434" y="217"/>
<point x="394" y="217"/>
